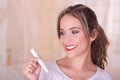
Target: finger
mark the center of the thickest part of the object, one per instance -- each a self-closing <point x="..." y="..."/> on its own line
<point x="34" y="59"/>
<point x="30" y="67"/>
<point x="33" y="65"/>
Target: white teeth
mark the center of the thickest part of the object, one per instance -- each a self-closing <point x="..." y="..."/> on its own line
<point x="70" y="47"/>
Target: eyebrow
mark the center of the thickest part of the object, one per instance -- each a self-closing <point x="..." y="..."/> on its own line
<point x="72" y="28"/>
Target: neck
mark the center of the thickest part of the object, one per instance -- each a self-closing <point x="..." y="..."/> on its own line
<point x="81" y="62"/>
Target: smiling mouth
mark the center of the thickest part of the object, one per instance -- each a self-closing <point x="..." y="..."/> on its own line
<point x="70" y="47"/>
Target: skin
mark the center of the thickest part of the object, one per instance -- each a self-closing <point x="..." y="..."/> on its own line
<point x="77" y="59"/>
<point x="32" y="69"/>
<point x="78" y="52"/>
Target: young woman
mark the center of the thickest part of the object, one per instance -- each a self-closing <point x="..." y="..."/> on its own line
<point x="85" y="44"/>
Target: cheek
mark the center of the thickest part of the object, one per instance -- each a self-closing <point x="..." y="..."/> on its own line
<point x="61" y="41"/>
<point x="80" y="39"/>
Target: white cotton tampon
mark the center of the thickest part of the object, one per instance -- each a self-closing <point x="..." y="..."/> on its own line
<point x="39" y="61"/>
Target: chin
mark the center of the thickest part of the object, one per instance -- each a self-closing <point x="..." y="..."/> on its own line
<point x="70" y="55"/>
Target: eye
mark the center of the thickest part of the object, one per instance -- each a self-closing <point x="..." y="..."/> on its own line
<point x="75" y="31"/>
<point x="62" y="33"/>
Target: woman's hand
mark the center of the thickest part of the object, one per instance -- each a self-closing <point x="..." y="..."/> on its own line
<point x="32" y="69"/>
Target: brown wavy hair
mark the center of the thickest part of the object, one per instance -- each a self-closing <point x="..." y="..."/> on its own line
<point x="88" y="19"/>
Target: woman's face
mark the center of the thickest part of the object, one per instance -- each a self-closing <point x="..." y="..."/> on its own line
<point x="72" y="37"/>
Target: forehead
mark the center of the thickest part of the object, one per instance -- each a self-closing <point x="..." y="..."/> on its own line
<point x="68" y="21"/>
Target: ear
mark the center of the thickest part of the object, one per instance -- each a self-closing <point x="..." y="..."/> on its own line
<point x="93" y="35"/>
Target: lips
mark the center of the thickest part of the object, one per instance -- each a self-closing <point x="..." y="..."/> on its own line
<point x="70" y="47"/>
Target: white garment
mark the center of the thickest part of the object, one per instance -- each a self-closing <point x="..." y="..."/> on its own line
<point x="55" y="73"/>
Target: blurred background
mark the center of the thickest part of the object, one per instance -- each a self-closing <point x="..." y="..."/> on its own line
<point x="26" y="24"/>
